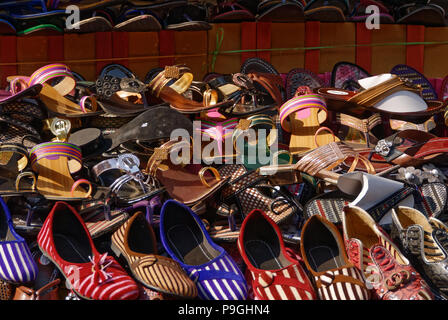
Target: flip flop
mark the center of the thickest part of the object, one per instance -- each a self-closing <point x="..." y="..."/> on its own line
<point x="141" y="23"/>
<point x="417" y="79"/>
<point x="345" y="75"/>
<point x="41" y="30"/>
<point x="327" y="10"/>
<point x="54" y="162"/>
<point x="409" y="148"/>
<point x="302" y="116"/>
<point x="280" y="11"/>
<point x="55" y="98"/>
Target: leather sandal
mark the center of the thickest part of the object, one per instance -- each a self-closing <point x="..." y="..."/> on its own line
<point x="169" y="84"/>
<point x="407" y="148"/>
<point x="180" y="183"/>
<point x="385" y="94"/>
<point x="318" y="163"/>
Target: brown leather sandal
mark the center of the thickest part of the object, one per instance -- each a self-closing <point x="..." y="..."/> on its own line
<point x="318" y="163"/>
<point x="375" y="99"/>
<point x="182" y="184"/>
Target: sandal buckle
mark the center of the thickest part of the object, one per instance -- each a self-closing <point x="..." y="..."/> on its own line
<point x="383" y="148"/>
<point x="129" y="163"/>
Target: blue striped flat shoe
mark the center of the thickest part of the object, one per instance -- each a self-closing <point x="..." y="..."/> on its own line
<point x="16" y="262"/>
<point x="186" y="240"/>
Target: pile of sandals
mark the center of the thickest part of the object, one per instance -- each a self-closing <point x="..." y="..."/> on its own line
<point x="64" y="16"/>
<point x="247" y="186"/>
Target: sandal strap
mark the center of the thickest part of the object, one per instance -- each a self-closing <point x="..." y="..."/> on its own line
<point x="377" y="93"/>
<point x="55" y="149"/>
<point x="161" y="154"/>
<point x="363" y="125"/>
<point x="299" y="103"/>
<point x="271" y="82"/>
<point x="51" y="71"/>
<point x="329" y="156"/>
<point x="180" y="73"/>
<point x="16" y="148"/>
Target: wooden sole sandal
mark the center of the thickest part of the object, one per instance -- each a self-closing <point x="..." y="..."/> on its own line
<point x="54" y="162"/>
<point x="302" y="116"/>
<point x="56" y="98"/>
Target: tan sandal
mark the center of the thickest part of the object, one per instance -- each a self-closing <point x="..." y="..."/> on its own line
<point x="318" y="163"/>
<point x="180" y="183"/>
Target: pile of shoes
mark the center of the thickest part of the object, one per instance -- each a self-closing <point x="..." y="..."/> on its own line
<point x="55" y="17"/>
<point x="248" y="186"/>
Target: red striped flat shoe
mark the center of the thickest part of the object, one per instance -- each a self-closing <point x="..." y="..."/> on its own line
<point x="136" y="242"/>
<point x="323" y="252"/>
<point x="65" y="240"/>
<point x="274" y="274"/>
